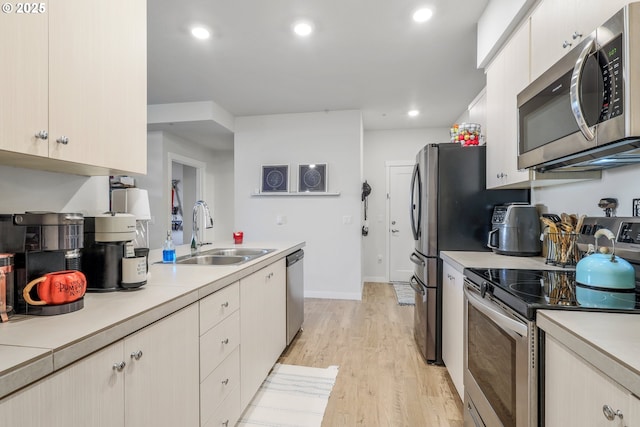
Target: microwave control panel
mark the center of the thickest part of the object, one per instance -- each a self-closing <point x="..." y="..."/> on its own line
<point x="611" y="66"/>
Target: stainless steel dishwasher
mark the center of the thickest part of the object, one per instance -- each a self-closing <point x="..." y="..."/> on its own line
<point x="295" y="294"/>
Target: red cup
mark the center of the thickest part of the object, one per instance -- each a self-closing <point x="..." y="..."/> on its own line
<point x="237" y="237"/>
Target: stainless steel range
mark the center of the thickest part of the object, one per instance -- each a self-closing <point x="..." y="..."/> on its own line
<point x="502" y="378"/>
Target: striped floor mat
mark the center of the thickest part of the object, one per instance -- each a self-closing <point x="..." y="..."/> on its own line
<point x="404" y="293"/>
<point x="291" y="396"/>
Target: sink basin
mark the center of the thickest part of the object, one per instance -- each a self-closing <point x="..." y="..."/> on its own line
<point x="212" y="260"/>
<point x="254" y="253"/>
<point x="223" y="256"/>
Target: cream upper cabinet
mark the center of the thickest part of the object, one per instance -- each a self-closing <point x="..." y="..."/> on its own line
<point x="80" y="76"/>
<point x="507" y="75"/>
<point x="24" y="76"/>
<point x="262" y="326"/>
<point x="559" y="25"/>
<point x="453" y="325"/>
<point x="578" y="394"/>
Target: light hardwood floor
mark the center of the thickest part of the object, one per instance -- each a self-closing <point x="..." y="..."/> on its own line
<point x="382" y="379"/>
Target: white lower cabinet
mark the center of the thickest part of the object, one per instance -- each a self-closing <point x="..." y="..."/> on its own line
<point x="578" y="394"/>
<point x="262" y="326"/>
<point x="453" y="324"/>
<point x="148" y="378"/>
<point x="220" y="357"/>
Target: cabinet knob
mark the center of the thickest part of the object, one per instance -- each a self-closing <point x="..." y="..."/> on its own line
<point x="43" y="134"/>
<point x="566" y="44"/>
<point x="610" y="414"/>
<point x="225" y="382"/>
<point x="136" y="355"/>
<point x="576" y="35"/>
<point x="225" y="304"/>
<point x="226" y="423"/>
<point x="225" y="341"/>
<point x="119" y="366"/>
<point x="64" y="140"/>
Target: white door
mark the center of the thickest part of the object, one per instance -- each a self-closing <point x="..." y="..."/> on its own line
<point x="400" y="239"/>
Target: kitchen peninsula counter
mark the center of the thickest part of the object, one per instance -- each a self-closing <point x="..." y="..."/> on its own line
<point x="32" y="347"/>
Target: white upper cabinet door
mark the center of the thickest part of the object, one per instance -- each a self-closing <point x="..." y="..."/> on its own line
<point x="97" y="74"/>
<point x="24" y="82"/>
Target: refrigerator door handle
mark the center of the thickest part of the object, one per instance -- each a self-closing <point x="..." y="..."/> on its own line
<point x="413" y="282"/>
<point x="415" y="220"/>
<point x="417" y="260"/>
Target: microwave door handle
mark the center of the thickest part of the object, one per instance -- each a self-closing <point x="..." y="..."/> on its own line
<point x="576" y="83"/>
<point x="496" y="316"/>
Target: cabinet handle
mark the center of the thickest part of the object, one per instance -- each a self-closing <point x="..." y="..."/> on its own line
<point x="226" y="423"/>
<point x="43" y="134"/>
<point x="119" y="366"/>
<point x="576" y="35"/>
<point x="225" y="341"/>
<point x="269" y="276"/>
<point x="225" y="382"/>
<point x="566" y="44"/>
<point x="64" y="140"/>
<point x="610" y="414"/>
<point x="136" y="355"/>
<point x="225" y="304"/>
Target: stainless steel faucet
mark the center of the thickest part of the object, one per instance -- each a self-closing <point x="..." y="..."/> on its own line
<point x="196" y="241"/>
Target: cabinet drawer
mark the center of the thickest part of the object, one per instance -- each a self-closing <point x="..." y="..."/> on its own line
<point x="227" y="413"/>
<point x="217" y="386"/>
<point x="217" y="343"/>
<point x="219" y="305"/>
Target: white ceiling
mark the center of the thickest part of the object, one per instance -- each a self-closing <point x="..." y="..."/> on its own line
<point x="364" y="54"/>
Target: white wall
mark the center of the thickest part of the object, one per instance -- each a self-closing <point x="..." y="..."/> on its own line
<point x="379" y="147"/>
<point x="218" y="186"/>
<point x="32" y="190"/>
<point x="582" y="197"/>
<point x="333" y="249"/>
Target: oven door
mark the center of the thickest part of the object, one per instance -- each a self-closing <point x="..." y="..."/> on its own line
<point x="499" y="378"/>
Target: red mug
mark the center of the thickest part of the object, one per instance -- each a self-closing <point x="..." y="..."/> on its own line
<point x="237" y="237"/>
<point x="56" y="288"/>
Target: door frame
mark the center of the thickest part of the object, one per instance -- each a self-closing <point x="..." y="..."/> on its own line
<point x="200" y="168"/>
<point x="387" y="166"/>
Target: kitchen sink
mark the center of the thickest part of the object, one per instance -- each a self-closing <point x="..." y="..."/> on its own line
<point x="223" y="256"/>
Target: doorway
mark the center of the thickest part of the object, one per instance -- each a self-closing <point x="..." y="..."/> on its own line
<point x="186" y="186"/>
<point x="399" y="237"/>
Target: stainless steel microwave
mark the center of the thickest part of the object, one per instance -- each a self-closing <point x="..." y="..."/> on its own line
<point x="584" y="112"/>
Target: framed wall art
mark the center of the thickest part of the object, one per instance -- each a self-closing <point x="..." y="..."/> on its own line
<point x="275" y="179"/>
<point x="312" y="177"/>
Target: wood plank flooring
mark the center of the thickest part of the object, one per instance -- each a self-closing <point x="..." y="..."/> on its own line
<point x="382" y="380"/>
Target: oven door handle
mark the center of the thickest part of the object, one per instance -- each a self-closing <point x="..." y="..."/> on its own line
<point x="495" y="315"/>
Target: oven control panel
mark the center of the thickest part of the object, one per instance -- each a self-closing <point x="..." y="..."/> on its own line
<point x="629" y="233"/>
<point x="626" y="230"/>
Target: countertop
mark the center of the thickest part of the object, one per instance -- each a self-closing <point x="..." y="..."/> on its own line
<point x="32" y="347"/>
<point x="609" y="341"/>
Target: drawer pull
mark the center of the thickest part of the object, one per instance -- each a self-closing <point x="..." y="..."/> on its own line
<point x="225" y="382"/>
<point x="136" y="355"/>
<point x="225" y="304"/>
<point x="119" y="366"/>
<point x="225" y="341"/>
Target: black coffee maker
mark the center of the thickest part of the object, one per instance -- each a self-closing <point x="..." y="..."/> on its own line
<point x="43" y="242"/>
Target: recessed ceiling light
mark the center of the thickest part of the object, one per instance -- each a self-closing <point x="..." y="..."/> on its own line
<point x="303" y="28"/>
<point x="422" y="15"/>
<point x="413" y="113"/>
<point x="200" y="33"/>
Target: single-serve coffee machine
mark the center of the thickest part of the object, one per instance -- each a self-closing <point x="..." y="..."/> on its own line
<point x="109" y="260"/>
<point x="41" y="242"/>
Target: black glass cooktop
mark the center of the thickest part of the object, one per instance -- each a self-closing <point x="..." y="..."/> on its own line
<point x="526" y="291"/>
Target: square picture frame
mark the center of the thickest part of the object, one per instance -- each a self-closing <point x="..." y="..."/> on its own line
<point x="274" y="179"/>
<point x="312" y="177"/>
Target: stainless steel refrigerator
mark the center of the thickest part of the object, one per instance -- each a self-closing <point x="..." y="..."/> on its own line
<point x="450" y="211"/>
